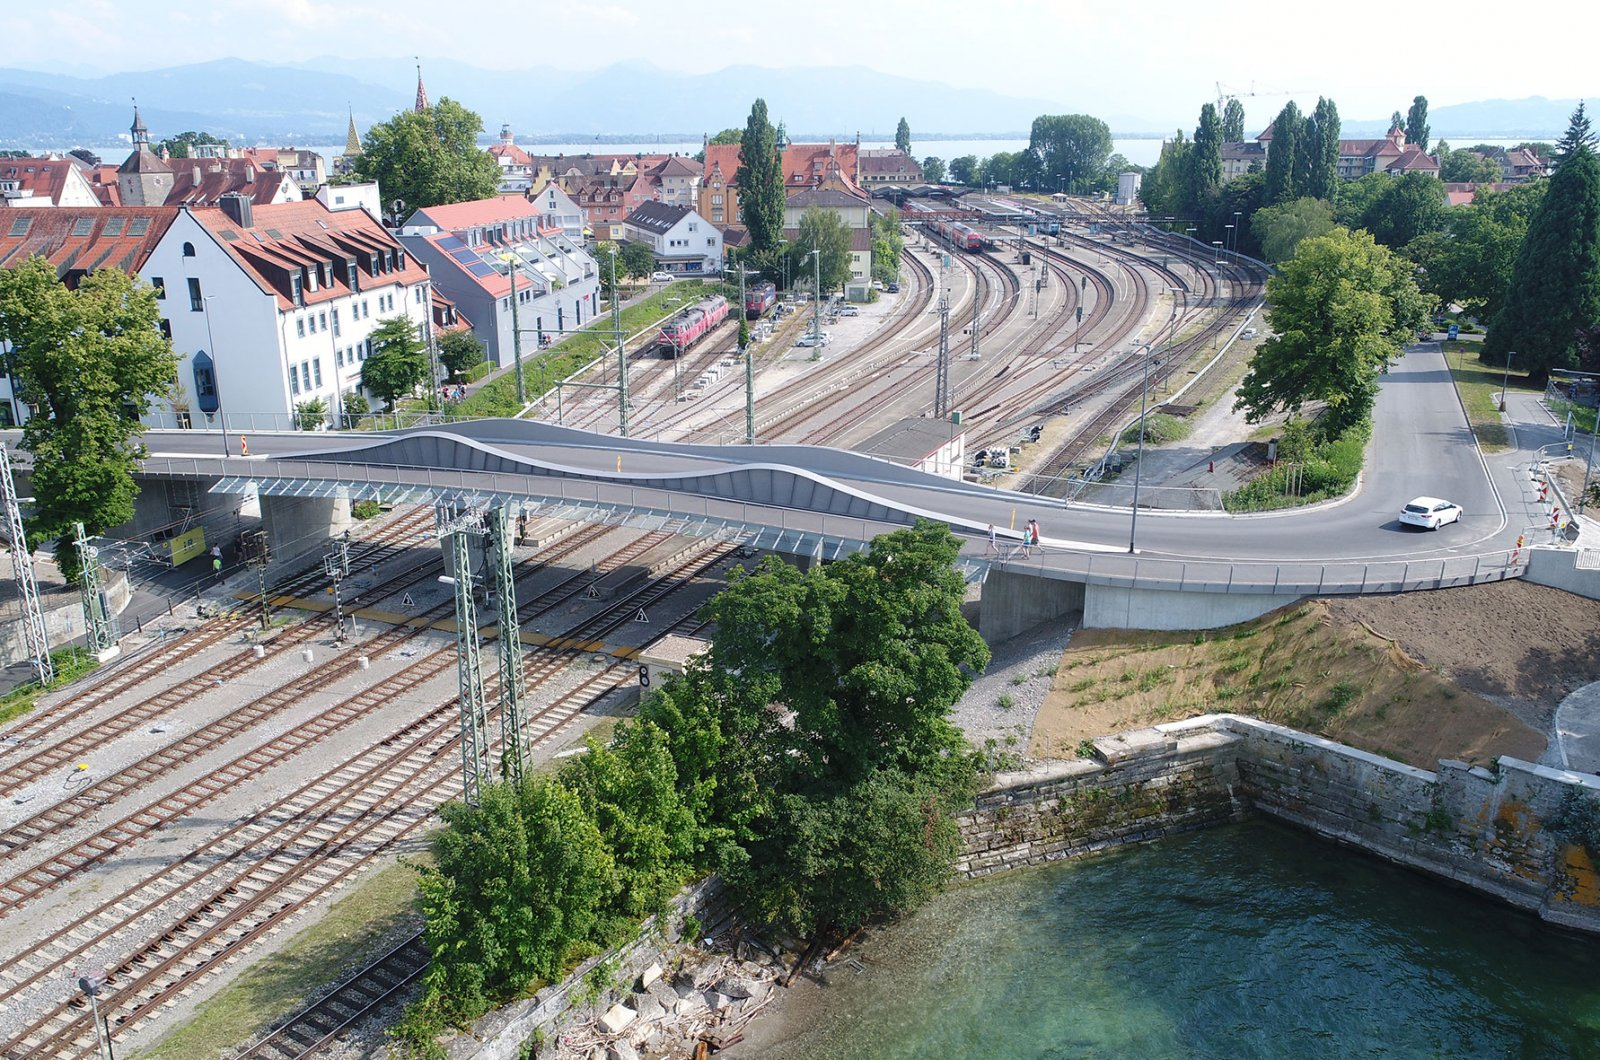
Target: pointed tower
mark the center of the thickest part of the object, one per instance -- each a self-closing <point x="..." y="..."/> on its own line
<point x="422" y="93"/>
<point x="782" y="138"/>
<point x="144" y="179"/>
<point x="352" y="140"/>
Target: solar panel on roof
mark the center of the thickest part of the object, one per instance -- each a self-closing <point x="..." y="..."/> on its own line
<point x="464" y="255"/>
<point x="139" y="226"/>
<point x="274" y="233"/>
<point x="450" y="243"/>
<point x="82" y="226"/>
<point x="114" y="226"/>
<point x="481" y="270"/>
<point x="20" y="226"/>
<point x="230" y="235"/>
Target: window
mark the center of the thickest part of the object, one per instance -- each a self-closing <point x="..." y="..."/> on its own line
<point x="354" y="273"/>
<point x="364" y="311"/>
<point x="300" y="327"/>
<point x="338" y="357"/>
<point x="711" y="241"/>
<point x="692" y="227"/>
<point x="196" y="302"/>
<point x="166" y="329"/>
<point x="160" y="285"/>
<point x="334" y="313"/>
<point x="297" y="293"/>
<point x="311" y="323"/>
<point x="294" y="380"/>
<point x="188" y="250"/>
<point x="316" y="371"/>
<point x="305" y="374"/>
<point x="322" y="321"/>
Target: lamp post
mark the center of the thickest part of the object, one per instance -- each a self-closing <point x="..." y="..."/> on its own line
<point x="816" y="301"/>
<point x="1144" y="394"/>
<point x="1236" y="215"/>
<point x="1505" y="381"/>
<point x="516" y="330"/>
<point x="749" y="367"/>
<point x="1229" y="238"/>
<point x="1218" y="253"/>
<point x="90" y="981"/>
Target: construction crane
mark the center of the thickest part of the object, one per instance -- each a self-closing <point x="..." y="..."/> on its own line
<point x="1227" y="92"/>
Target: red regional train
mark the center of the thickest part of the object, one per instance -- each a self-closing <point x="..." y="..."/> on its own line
<point x="759" y="299"/>
<point x="958" y="234"/>
<point x="692" y="325"/>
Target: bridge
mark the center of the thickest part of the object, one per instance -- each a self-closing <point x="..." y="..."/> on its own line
<point x="1188" y="570"/>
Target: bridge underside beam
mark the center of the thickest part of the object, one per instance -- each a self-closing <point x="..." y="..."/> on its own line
<point x="1122" y="607"/>
<point x="1014" y="603"/>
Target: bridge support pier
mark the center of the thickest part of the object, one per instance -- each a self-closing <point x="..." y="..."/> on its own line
<point x="1122" y="607"/>
<point x="1015" y="603"/>
<point x="297" y="527"/>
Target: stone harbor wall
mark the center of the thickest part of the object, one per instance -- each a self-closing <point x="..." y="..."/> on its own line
<point x="1523" y="833"/>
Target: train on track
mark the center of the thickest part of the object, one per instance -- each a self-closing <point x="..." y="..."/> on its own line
<point x="758" y="300"/>
<point x="958" y="234"/>
<point x="691" y="325"/>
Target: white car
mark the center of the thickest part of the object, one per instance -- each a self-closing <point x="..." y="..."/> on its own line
<point x="661" y="277"/>
<point x="1430" y="513"/>
<point x="849" y="311"/>
<point x="808" y="339"/>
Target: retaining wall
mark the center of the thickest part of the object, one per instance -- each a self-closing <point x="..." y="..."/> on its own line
<point x="1520" y="832"/>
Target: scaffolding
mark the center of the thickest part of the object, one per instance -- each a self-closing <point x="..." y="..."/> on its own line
<point x="33" y="630"/>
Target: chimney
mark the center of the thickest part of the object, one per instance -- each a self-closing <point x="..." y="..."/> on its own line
<point x="237" y="208"/>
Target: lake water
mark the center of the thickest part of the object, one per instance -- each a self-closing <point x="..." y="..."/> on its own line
<point x="1253" y="940"/>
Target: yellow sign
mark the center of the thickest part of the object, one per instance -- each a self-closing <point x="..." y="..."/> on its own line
<point x="187" y="545"/>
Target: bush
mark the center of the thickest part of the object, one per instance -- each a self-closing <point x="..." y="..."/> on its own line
<point x="1310" y="469"/>
<point x="1160" y="428"/>
<point x="366" y="510"/>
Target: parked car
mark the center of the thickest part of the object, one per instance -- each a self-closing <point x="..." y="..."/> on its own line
<point x="849" y="311"/>
<point x="661" y="277"/>
<point x="808" y="339"/>
<point x="1430" y="513"/>
<point x="893" y="288"/>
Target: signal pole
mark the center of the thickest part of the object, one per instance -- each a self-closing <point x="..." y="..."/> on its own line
<point x="99" y="625"/>
<point x="941" y="380"/>
<point x="622" y="353"/>
<point x="336" y="564"/>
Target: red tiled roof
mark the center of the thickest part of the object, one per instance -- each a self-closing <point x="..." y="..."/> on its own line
<point x="802" y="163"/>
<point x="457" y="216"/>
<point x="287" y="235"/>
<point x="202" y="181"/>
<point x="79" y="239"/>
<point x="45" y="177"/>
<point x="1414" y="160"/>
<point x="511" y="151"/>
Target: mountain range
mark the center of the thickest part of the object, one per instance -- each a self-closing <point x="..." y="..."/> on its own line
<point x="309" y="102"/>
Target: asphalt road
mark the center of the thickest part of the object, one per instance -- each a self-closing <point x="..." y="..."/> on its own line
<point x="1421" y="445"/>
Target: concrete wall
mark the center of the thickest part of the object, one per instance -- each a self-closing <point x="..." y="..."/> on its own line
<point x="300" y="526"/>
<point x="63" y="618"/>
<point x="1522" y="833"/>
<point x="1014" y="603"/>
<point x="1120" y="607"/>
<point x="1559" y="568"/>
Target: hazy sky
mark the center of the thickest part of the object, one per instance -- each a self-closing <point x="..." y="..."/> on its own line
<point x="1132" y="58"/>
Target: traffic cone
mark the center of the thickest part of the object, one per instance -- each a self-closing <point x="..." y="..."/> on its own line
<point x="244" y="446"/>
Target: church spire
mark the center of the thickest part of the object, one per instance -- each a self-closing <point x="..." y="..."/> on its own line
<point x="140" y="134"/>
<point x="352" y="141"/>
<point x="422" y="93"/>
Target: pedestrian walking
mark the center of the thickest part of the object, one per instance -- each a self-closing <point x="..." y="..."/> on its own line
<point x="994" y="547"/>
<point x="1033" y="528"/>
<point x="216" y="560"/>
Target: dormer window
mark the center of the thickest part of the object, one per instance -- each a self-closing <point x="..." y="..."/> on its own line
<point x="311" y="279"/>
<point x="296" y="289"/>
<point x="354" y="273"/>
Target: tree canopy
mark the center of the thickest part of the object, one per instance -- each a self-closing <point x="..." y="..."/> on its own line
<point x="1417" y="122"/>
<point x="1286" y="153"/>
<point x="1280" y="229"/>
<point x="429" y="158"/>
<point x="1205" y="160"/>
<point x="1233" y="121"/>
<point x="460" y="352"/>
<point x="964" y="169"/>
<point x="1069" y="150"/>
<point x="1409" y="206"/>
<point x="1464" y="166"/>
<point x="636" y="259"/>
<point x="1322" y="151"/>
<point x="91" y="360"/>
<point x="825" y="231"/>
<point x="933" y="169"/>
<point x="398" y="362"/>
<point x="1555" y="282"/>
<point x="1340" y="311"/>
<point x="1469" y="261"/>
<point x="179" y="146"/>
<point x="760" y="180"/>
<point x="902" y="136"/>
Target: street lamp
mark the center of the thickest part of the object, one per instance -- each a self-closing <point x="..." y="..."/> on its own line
<point x="1144" y="394"/>
<point x="1236" y="215"/>
<point x="1218" y="253"/>
<point x="516" y="330"/>
<point x="749" y="367"/>
<point x="816" y="302"/>
<point x="90" y="980"/>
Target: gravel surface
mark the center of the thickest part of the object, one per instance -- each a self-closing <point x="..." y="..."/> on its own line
<point x="997" y="712"/>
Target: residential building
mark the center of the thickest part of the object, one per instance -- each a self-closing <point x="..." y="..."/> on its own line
<point x="480" y="252"/>
<point x="1239" y="159"/>
<point x="677" y="181"/>
<point x="560" y="211"/>
<point x="1520" y="163"/>
<point x="888" y="166"/>
<point x="143" y="179"/>
<point x="853" y="209"/>
<point x="606" y="201"/>
<point x="303" y="167"/>
<point x="717" y="196"/>
<point x="684" y="243"/>
<point x="804" y="166"/>
<point x="860" y="262"/>
<point x="47" y="181"/>
<point x="352" y="197"/>
<point x="1413" y="159"/>
<point x="204" y="181"/>
<point x="267" y="307"/>
<point x="1357" y="158"/>
<point x="516" y="166"/>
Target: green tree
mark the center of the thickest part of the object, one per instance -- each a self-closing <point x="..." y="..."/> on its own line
<point x="310" y="414"/>
<point x="355" y="407"/>
<point x="760" y="180"/>
<point x="825" y="231"/>
<point x="90" y="360"/>
<point x="398" y="362"/>
<point x="1469" y="262"/>
<point x="1465" y="166"/>
<point x="429" y="158"/>
<point x="1165" y="189"/>
<point x="1339" y="311"/>
<point x="179" y="146"/>
<point x="1280" y="229"/>
<point x="902" y="136"/>
<point x="1355" y="197"/>
<point x="1322" y="151"/>
<point x="726" y="136"/>
<point x="1412" y="205"/>
<point x="933" y="170"/>
<point x="1417" y="123"/>
<point x="1233" y="121"/>
<point x="1240" y="199"/>
<point x="1070" y="150"/>
<point x="518" y="883"/>
<point x="1285" y="155"/>
<point x="1555" y="282"/>
<point x="887" y="245"/>
<point x="1205" y="161"/>
<point x="964" y="170"/>
<point x="1397" y="121"/>
<point x="460" y="352"/>
<point x="86" y="156"/>
<point x="636" y="260"/>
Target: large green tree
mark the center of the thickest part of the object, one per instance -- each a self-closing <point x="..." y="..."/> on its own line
<point x="1165" y="189"/>
<point x="1417" y="122"/>
<point x="635" y="260"/>
<point x="181" y="145"/>
<point x="1233" y="121"/>
<point x="933" y="169"/>
<point x="823" y="231"/>
<point x="1555" y="283"/>
<point x="1469" y="262"/>
<point x="398" y="363"/>
<point x="1285" y="155"/>
<point x="1322" y="151"/>
<point x="460" y="352"/>
<point x="429" y="158"/>
<point x="1339" y="311"/>
<point x="726" y="136"/>
<point x="1069" y="150"/>
<point x="1205" y="161"/>
<point x="760" y="180"/>
<point x="1464" y="166"/>
<point x="1412" y="205"/>
<point x="964" y="169"/>
<point x="887" y="245"/>
<point x="902" y="136"/>
<point x="90" y="361"/>
<point x="1280" y="229"/>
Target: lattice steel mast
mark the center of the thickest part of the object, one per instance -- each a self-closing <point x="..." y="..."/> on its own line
<point x="513" y="726"/>
<point x="455" y="532"/>
<point x="99" y="624"/>
<point x="22" y="569"/>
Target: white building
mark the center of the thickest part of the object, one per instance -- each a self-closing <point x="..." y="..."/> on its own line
<point x="1128" y="187"/>
<point x="47" y="181"/>
<point x="560" y="212"/>
<point x="683" y="242"/>
<point x="352" y="197"/>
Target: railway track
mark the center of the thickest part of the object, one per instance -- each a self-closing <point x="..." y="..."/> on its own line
<point x="297" y="851"/>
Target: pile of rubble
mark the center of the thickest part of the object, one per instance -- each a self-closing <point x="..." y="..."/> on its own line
<point x="701" y="1008"/>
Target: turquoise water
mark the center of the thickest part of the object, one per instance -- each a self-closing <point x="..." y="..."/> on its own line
<point x="1249" y="941"/>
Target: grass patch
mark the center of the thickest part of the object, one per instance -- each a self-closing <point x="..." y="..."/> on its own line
<point x="356" y="927"/>
<point x="70" y="664"/>
<point x="1479" y="386"/>
<point x="1160" y="428"/>
<point x="1310" y="469"/>
<point x="541" y="371"/>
